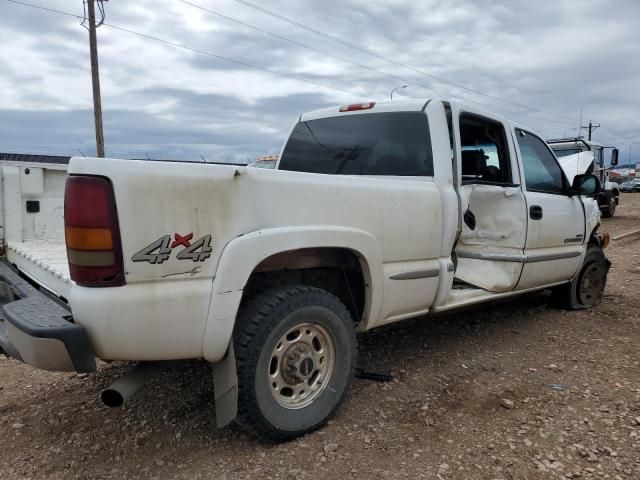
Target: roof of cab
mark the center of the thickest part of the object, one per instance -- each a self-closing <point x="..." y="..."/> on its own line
<point x="379" y="107"/>
<point x="412" y="105"/>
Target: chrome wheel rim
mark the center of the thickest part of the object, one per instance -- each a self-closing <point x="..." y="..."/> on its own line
<point x="591" y="284"/>
<point x="301" y="365"/>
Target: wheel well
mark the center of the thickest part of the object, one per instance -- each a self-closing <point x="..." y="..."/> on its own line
<point x="594" y="237"/>
<point x="336" y="270"/>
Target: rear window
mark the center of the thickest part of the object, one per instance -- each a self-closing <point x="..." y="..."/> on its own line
<point x="394" y="143"/>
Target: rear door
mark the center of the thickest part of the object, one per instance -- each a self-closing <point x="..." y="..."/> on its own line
<point x="396" y="145"/>
<point x="556" y="220"/>
<point x="492" y="238"/>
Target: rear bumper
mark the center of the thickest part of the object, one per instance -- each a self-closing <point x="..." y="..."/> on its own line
<point x="35" y="327"/>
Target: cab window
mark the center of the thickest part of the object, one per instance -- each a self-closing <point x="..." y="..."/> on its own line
<point x="542" y="173"/>
<point x="390" y="144"/>
<point x="484" y="151"/>
<point x="597" y="155"/>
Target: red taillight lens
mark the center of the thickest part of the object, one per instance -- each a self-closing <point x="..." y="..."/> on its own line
<point x="357" y="106"/>
<point x="92" y="233"/>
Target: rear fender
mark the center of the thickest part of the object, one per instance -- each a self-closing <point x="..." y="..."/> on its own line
<point x="241" y="256"/>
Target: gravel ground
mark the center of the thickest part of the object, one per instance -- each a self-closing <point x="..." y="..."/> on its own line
<point x="515" y="390"/>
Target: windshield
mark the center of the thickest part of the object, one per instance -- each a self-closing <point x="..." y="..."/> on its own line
<point x="565" y="152"/>
<point x="395" y="143"/>
<point x="489" y="150"/>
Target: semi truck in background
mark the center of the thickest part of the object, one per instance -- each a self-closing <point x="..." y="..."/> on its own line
<point x="577" y="155"/>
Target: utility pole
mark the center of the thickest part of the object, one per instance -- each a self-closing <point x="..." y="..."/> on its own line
<point x="591" y="127"/>
<point x="95" y="78"/>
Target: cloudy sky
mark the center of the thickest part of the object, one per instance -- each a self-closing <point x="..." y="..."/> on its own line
<point x="554" y="57"/>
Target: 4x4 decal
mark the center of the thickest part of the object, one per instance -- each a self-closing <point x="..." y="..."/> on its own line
<point x="161" y="249"/>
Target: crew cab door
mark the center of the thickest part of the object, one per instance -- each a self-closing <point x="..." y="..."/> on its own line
<point x="490" y="247"/>
<point x="555" y="218"/>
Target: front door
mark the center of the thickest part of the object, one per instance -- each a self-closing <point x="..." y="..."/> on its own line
<point x="556" y="220"/>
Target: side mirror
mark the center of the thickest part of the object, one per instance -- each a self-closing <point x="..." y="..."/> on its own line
<point x="614" y="157"/>
<point x="586" y="184"/>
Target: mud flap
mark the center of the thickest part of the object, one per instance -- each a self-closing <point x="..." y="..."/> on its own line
<point x="225" y="386"/>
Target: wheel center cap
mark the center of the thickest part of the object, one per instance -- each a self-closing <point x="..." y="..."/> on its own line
<point x="306" y="367"/>
<point x="299" y="364"/>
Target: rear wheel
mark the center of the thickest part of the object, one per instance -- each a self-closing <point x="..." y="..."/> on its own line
<point x="587" y="288"/>
<point x="295" y="352"/>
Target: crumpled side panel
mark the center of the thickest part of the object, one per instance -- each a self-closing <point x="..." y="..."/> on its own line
<point x="501" y="228"/>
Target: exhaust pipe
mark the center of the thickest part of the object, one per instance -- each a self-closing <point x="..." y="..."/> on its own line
<point x="120" y="391"/>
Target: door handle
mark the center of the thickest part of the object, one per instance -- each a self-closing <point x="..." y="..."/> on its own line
<point x="535" y="212"/>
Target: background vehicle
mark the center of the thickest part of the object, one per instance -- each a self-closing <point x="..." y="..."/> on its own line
<point x="269" y="161"/>
<point x="630" y="186"/>
<point x="377" y="213"/>
<point x="565" y="148"/>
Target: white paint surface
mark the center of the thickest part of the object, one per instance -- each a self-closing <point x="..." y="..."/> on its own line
<point x="394" y="225"/>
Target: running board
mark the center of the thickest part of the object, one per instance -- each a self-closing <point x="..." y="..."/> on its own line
<point x="470" y="296"/>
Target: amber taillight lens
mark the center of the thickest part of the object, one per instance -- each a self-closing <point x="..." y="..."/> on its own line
<point x="92" y="232"/>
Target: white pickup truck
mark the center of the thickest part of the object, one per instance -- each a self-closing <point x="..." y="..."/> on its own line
<point x="376" y="212"/>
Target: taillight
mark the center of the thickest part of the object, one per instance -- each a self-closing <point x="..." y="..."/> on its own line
<point x="92" y="233"/>
<point x="357" y="106"/>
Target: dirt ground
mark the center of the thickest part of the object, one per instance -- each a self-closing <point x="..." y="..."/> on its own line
<point x="516" y="390"/>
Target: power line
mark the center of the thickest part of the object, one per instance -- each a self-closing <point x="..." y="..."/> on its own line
<point x="231" y="60"/>
<point x="295" y="42"/>
<point x="282" y="74"/>
<point x="203" y="52"/>
<point x="619" y="135"/>
<point x="195" y="50"/>
<point x="257" y="67"/>
<point x="394" y="62"/>
<point x="46" y="8"/>
<point x="380" y="72"/>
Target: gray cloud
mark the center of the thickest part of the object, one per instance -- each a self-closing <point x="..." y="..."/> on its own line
<point x="554" y="56"/>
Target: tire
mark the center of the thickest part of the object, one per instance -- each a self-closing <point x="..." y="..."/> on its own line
<point x="282" y="335"/>
<point x="586" y="289"/>
<point x="610" y="209"/>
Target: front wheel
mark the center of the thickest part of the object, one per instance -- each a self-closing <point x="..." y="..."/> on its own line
<point x="295" y="352"/>
<point x="610" y="209"/>
<point x="587" y="288"/>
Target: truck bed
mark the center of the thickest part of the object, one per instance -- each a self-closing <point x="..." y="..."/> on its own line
<point x="45" y="261"/>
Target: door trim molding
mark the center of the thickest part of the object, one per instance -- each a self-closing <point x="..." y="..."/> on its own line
<point x="496" y="257"/>
<point x="416" y="274"/>
<point x="552" y="256"/>
<point x="502" y="257"/>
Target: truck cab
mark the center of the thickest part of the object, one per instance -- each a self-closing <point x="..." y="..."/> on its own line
<point x="577" y="155"/>
<point x="507" y="211"/>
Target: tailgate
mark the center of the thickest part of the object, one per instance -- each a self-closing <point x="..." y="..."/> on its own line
<point x="45" y="261"/>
